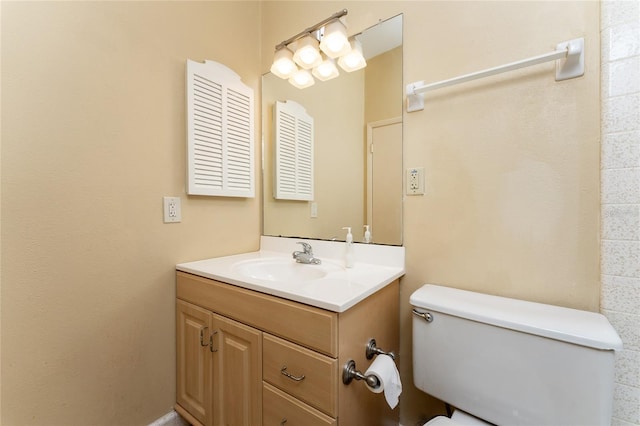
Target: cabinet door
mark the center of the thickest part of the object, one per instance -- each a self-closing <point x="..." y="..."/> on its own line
<point x="237" y="373"/>
<point x="193" y="387"/>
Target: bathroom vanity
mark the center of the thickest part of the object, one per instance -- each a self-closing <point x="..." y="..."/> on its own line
<point x="271" y="350"/>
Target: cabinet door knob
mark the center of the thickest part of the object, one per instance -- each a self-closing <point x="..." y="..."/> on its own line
<point x="202" y="330"/>
<point x="285" y="373"/>
<point x="284" y="420"/>
<point x="211" y="342"/>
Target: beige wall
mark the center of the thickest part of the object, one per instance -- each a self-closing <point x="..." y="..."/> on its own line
<point x="383" y="86"/>
<point x="93" y="136"/>
<point x="511" y="162"/>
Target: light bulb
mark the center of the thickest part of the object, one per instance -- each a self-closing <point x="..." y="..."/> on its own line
<point x="354" y="60"/>
<point x="351" y="60"/>
<point x="307" y="54"/>
<point x="302" y="79"/>
<point x="307" y="57"/>
<point x="335" y="42"/>
<point x="283" y="65"/>
<point x="326" y="70"/>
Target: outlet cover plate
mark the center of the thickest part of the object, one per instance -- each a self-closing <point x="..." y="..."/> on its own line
<point x="415" y="181"/>
<point x="172" y="209"/>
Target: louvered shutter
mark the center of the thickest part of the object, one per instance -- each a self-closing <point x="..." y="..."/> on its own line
<point x="220" y="132"/>
<point x="294" y="152"/>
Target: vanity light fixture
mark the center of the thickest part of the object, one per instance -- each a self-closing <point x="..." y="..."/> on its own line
<point x="300" y="58"/>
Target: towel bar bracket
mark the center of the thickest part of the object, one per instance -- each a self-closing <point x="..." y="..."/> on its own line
<point x="573" y="65"/>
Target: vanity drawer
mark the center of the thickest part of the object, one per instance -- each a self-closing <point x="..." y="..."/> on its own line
<point x="278" y="407"/>
<point x="319" y="386"/>
<point x="310" y="326"/>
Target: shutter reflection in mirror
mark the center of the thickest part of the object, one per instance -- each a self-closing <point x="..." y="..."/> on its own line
<point x="294" y="152"/>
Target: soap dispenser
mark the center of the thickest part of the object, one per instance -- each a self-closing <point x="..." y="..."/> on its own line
<point x="348" y="253"/>
<point x="367" y="234"/>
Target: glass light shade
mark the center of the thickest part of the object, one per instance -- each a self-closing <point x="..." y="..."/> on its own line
<point x="302" y="79"/>
<point x="326" y="70"/>
<point x="283" y="65"/>
<point x="335" y="42"/>
<point x="307" y="54"/>
<point x="354" y="60"/>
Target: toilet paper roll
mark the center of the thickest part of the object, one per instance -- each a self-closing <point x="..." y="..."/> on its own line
<point x="384" y="368"/>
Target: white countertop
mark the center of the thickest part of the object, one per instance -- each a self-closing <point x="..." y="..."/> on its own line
<point x="341" y="288"/>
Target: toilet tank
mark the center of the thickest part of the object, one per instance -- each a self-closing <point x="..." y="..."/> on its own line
<point x="512" y="362"/>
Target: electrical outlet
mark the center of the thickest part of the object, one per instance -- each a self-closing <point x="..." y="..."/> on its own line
<point x="314" y="209"/>
<point x="172" y="209"/>
<point x="415" y="181"/>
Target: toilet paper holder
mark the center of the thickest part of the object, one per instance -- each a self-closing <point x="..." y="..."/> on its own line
<point x="349" y="372"/>
<point x="373" y="350"/>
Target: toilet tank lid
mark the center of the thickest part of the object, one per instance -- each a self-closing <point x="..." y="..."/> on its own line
<point x="570" y="325"/>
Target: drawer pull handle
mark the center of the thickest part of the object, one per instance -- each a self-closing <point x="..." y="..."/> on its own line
<point x="285" y="373"/>
<point x="202" y="330"/>
<point x="211" y="342"/>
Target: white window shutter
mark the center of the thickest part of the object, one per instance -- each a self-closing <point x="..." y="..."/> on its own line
<point x="294" y="152"/>
<point x="220" y="132"/>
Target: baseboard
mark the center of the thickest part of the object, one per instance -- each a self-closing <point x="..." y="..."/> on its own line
<point x="170" y="419"/>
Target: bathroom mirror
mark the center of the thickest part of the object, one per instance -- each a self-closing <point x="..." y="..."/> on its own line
<point x="355" y="184"/>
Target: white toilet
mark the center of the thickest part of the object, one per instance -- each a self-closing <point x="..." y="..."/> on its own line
<point x="511" y="362"/>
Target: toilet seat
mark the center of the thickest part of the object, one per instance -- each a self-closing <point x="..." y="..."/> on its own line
<point x="440" y="421"/>
<point x="459" y="418"/>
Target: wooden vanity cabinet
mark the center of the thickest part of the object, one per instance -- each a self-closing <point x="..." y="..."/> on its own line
<point x="219" y="368"/>
<point x="267" y="360"/>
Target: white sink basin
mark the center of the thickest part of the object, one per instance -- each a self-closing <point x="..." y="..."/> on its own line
<point x="328" y="286"/>
<point x="282" y="269"/>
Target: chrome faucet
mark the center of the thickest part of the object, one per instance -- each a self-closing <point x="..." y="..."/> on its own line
<point x="306" y="256"/>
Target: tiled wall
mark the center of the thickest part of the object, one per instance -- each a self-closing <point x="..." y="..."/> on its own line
<point x="620" y="179"/>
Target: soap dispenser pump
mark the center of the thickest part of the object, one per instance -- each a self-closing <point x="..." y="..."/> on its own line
<point x="367" y="234"/>
<point x="348" y="253"/>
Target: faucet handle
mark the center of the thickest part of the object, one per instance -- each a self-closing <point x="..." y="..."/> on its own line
<point x="306" y="247"/>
